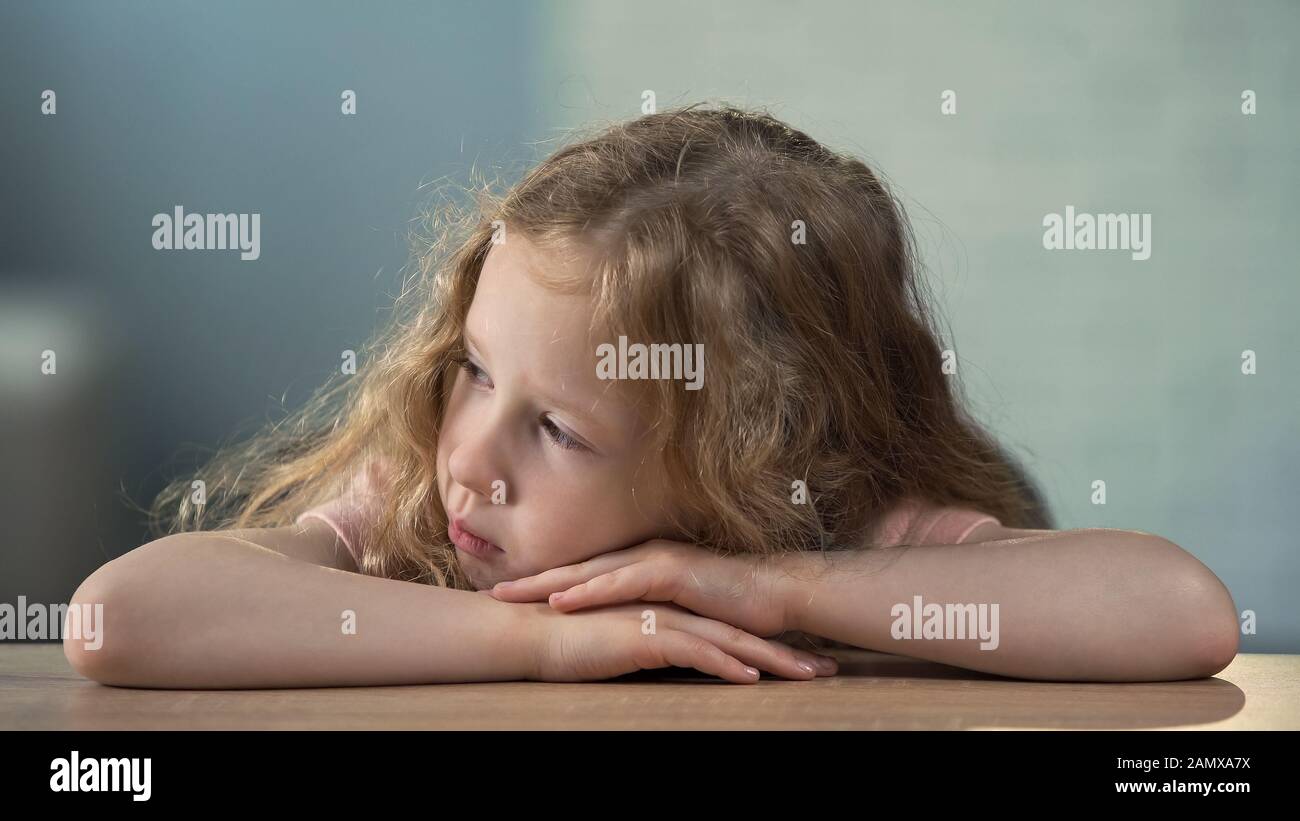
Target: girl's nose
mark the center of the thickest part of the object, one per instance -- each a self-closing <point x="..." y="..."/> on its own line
<point x="476" y="461"/>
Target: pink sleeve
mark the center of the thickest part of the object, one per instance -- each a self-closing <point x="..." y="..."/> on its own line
<point x="917" y="522"/>
<point x="355" y="510"/>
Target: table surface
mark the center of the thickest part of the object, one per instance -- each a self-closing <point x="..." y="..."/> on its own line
<point x="40" y="691"/>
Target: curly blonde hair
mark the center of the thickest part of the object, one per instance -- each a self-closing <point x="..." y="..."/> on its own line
<point x="823" y="361"/>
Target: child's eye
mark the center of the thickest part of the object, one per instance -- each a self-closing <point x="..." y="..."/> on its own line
<point x="476" y="373"/>
<point x="553" y="431"/>
<point x="558" y="436"/>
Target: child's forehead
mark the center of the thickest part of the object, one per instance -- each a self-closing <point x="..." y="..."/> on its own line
<point x="527" y="294"/>
<point x="514" y="310"/>
<point x="564" y="265"/>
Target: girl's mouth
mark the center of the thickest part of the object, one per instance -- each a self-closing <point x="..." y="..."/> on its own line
<point x="469" y="542"/>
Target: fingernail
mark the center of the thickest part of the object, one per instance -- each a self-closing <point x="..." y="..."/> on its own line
<point x="752" y="672"/>
<point x="826" y="664"/>
<point x="500" y="585"/>
<point x="807" y="668"/>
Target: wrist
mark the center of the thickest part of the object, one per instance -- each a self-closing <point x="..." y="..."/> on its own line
<point x="795" y="587"/>
<point x="526" y="638"/>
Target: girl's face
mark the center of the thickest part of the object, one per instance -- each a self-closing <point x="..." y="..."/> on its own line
<point x="536" y="454"/>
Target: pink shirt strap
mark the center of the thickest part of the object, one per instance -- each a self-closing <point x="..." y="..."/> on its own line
<point x="351" y="513"/>
<point x="915" y="522"/>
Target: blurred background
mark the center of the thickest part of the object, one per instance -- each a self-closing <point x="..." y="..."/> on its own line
<point x="1088" y="366"/>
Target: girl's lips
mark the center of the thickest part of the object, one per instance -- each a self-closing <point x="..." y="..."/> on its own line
<point x="470" y="543"/>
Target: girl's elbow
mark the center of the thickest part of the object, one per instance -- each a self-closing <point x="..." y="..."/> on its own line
<point x="1211" y="618"/>
<point x="1220" y="654"/>
<point x="1201" y="615"/>
<point x="94" y="649"/>
<point x="1218" y="635"/>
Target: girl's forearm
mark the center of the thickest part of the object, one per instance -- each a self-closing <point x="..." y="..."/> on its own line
<point x="1079" y="605"/>
<point x="197" y="610"/>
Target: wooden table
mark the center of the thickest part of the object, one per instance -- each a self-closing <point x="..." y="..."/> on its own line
<point x="38" y="690"/>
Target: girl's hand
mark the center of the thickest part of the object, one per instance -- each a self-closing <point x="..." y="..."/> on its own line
<point x="749" y="592"/>
<point x="612" y="641"/>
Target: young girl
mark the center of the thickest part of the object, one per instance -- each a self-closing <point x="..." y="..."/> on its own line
<point x="817" y="478"/>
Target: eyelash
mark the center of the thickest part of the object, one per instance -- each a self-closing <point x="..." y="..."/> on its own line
<point x="553" y="432"/>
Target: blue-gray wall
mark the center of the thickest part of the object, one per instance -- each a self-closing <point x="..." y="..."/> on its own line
<point x="228" y="107"/>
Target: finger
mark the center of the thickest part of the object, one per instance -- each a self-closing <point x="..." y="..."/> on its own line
<point x="825" y="665"/>
<point x="766" y="654"/>
<point x="678" y="649"/>
<point x="538" y="587"/>
<point x="643" y="581"/>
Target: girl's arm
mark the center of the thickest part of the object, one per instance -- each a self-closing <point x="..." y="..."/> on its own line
<point x="216" y="610"/>
<point x="1083" y="605"/>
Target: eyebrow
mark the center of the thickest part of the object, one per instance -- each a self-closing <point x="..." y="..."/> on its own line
<point x="553" y="400"/>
